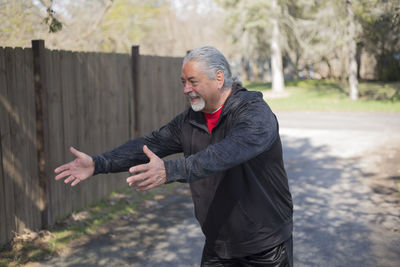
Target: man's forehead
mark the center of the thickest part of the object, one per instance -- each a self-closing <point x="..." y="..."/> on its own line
<point x="192" y="69"/>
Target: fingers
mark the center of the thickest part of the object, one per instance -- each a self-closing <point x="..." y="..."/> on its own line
<point x="69" y="179"/>
<point x="62" y="168"/>
<point x="142" y="184"/>
<point x="77" y="153"/>
<point x="148" y="152"/>
<point x="62" y="175"/>
<point x="139" y="168"/>
<point x="75" y="182"/>
<point x="136" y="179"/>
<point x="72" y="179"/>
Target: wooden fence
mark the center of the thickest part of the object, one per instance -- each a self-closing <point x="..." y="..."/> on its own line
<point x="51" y="100"/>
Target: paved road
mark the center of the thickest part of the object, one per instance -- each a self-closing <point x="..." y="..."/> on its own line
<point x="339" y="220"/>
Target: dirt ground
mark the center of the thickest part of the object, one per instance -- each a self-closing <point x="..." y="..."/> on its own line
<point x="382" y="174"/>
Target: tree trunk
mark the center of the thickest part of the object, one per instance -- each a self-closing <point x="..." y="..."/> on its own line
<point x="330" y="72"/>
<point x="352" y="71"/>
<point x="276" y="55"/>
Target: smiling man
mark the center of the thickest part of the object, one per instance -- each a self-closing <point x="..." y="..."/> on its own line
<point x="232" y="162"/>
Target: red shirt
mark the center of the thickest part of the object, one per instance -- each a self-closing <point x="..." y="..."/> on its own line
<point x="212" y="118"/>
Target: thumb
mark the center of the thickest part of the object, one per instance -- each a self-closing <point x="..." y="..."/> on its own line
<point x="148" y="152"/>
<point x="76" y="152"/>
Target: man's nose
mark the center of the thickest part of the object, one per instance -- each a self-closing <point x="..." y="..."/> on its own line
<point x="187" y="88"/>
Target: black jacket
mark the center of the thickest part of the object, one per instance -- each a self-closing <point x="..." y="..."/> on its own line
<point x="236" y="174"/>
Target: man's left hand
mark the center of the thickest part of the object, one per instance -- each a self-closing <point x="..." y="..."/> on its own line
<point x="147" y="176"/>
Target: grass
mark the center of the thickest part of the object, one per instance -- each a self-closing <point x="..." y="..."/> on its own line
<point x="323" y="95"/>
<point x="33" y="247"/>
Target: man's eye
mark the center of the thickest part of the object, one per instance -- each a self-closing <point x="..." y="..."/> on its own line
<point x="194" y="82"/>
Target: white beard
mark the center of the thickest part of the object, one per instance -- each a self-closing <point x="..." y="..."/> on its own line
<point x="198" y="105"/>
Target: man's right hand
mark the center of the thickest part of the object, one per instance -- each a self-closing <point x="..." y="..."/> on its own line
<point x="77" y="170"/>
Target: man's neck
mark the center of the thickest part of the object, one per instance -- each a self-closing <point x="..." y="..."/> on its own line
<point x="224" y="96"/>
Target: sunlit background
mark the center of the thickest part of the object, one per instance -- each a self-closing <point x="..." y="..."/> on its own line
<point x="317" y="39"/>
<point x="330" y="71"/>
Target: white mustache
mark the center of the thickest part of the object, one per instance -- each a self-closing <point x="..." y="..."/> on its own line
<point x="193" y="94"/>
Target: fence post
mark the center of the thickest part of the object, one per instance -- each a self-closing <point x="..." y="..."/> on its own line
<point x="39" y="72"/>
<point x="136" y="90"/>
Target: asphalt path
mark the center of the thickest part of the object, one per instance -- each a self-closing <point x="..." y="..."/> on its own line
<point x="338" y="219"/>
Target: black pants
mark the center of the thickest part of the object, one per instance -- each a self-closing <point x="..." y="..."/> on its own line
<point x="279" y="256"/>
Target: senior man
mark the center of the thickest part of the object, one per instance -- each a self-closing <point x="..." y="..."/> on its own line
<point x="232" y="162"/>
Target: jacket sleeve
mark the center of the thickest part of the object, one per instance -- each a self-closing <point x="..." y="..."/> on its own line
<point x="163" y="142"/>
<point x="254" y="130"/>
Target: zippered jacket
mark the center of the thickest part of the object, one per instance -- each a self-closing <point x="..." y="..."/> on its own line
<point x="236" y="173"/>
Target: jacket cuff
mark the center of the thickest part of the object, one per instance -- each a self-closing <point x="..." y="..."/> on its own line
<point x="175" y="171"/>
<point x="101" y="165"/>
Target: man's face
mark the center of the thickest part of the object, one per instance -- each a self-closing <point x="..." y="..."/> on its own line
<point x="203" y="93"/>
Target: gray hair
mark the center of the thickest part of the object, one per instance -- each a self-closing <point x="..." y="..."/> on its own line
<point x="213" y="61"/>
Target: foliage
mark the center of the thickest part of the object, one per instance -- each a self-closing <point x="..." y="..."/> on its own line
<point x="316" y="33"/>
<point x="381" y="36"/>
<point x="330" y="95"/>
<point x="54" y="24"/>
<point x="104" y="25"/>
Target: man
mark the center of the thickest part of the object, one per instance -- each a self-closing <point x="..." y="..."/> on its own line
<point x="232" y="160"/>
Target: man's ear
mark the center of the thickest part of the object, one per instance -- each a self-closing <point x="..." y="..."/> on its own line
<point x="220" y="79"/>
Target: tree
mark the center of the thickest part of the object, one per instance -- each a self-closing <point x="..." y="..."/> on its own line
<point x="326" y="32"/>
<point x="276" y="54"/>
<point x="380" y="22"/>
<point x="352" y="72"/>
<point x="184" y="25"/>
<point x="103" y="25"/>
<point x="251" y="21"/>
<point x="160" y="27"/>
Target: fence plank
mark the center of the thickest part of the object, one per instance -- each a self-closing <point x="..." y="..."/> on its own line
<point x="109" y="115"/>
<point x="56" y="127"/>
<point x="103" y="76"/>
<point x="73" y="84"/>
<point x="93" y="92"/>
<point x="69" y="114"/>
<point x="41" y="128"/>
<point x="9" y="148"/>
<point x="26" y="138"/>
<point x="28" y="156"/>
<point x="145" y="87"/>
<point x="3" y="215"/>
<point x="29" y="140"/>
<point x="87" y="121"/>
<point x="34" y="194"/>
<point x="84" y="129"/>
<point x="6" y="186"/>
<point x="127" y="84"/>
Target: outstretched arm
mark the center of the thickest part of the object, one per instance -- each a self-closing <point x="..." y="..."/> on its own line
<point x="162" y="142"/>
<point x="81" y="168"/>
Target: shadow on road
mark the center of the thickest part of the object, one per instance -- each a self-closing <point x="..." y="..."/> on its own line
<point x="338" y="221"/>
<point x="164" y="235"/>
